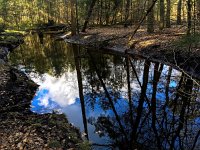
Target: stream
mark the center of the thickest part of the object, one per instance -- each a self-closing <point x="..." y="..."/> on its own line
<point x="128" y="101"/>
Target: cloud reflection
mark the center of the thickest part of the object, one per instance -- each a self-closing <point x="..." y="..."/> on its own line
<point x="61" y="91"/>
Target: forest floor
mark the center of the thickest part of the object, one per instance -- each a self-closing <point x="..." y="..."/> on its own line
<point x="20" y="128"/>
<point x="170" y="46"/>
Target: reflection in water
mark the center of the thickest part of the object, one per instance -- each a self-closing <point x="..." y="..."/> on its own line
<point x="129" y="103"/>
<point x="63" y="90"/>
<point x="80" y="86"/>
<point x="50" y="57"/>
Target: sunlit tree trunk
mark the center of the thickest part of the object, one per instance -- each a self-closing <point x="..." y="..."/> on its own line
<point x="179" y="9"/>
<point x="168" y="14"/>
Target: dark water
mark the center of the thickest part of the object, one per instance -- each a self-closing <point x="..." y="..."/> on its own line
<point x="128" y="102"/>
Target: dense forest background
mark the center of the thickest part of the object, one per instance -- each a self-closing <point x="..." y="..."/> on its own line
<point x="26" y="14"/>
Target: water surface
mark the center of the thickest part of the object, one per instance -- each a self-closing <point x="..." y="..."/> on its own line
<point x="128" y="102"/>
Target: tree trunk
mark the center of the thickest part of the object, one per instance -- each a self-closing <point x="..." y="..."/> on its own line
<point x="77" y="22"/>
<point x="73" y="16"/>
<point x="189" y="17"/>
<point x="127" y="13"/>
<point x="198" y="12"/>
<point x="168" y="14"/>
<point x="179" y="8"/>
<point x="4" y="14"/>
<point x="162" y="15"/>
<point x="150" y="18"/>
<point x="114" y="10"/>
<point x="88" y="15"/>
<point x="101" y="12"/>
<point x="107" y="8"/>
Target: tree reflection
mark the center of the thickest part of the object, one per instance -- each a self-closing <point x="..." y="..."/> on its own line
<point x="80" y="85"/>
<point x="170" y="118"/>
<point x="53" y="57"/>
